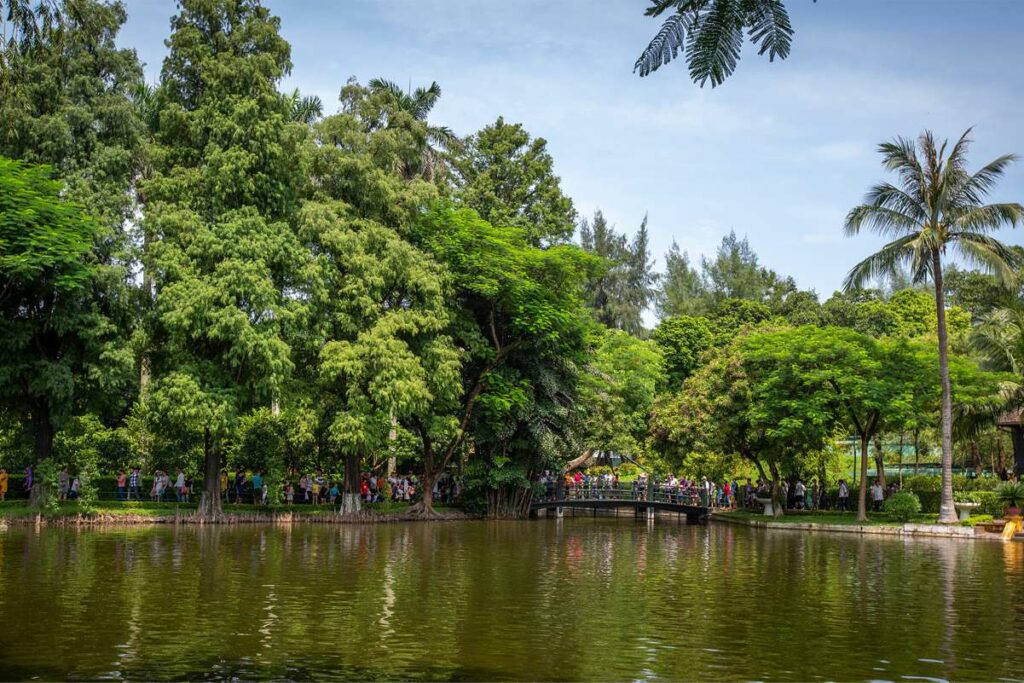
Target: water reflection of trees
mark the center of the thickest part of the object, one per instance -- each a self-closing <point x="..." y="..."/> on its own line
<point x="591" y="599"/>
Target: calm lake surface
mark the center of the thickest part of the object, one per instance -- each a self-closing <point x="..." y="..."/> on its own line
<point x="593" y="599"/>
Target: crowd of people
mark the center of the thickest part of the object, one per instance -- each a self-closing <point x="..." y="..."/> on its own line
<point x="728" y="494"/>
<point x="314" y="488"/>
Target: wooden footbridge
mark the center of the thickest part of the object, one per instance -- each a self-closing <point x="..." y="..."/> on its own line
<point x="646" y="501"/>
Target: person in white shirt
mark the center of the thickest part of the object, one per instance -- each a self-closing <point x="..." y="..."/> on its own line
<point x="877" y="496"/>
<point x="844" y="496"/>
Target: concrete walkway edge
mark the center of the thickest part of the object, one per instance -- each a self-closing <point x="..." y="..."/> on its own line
<point x="906" y="531"/>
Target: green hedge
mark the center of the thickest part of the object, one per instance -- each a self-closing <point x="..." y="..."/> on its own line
<point x="929" y="491"/>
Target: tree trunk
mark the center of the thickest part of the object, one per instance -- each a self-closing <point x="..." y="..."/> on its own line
<point x="210" y="508"/>
<point x="147" y="290"/>
<point x="578" y="461"/>
<point x="917" y="451"/>
<point x="425" y="506"/>
<point x="350" y="502"/>
<point x="900" y="469"/>
<point x="879" y="461"/>
<point x="1017" y="434"/>
<point x="947" y="511"/>
<point x="778" y="501"/>
<point x="862" y="494"/>
<point x="979" y="466"/>
<point x="43" y="450"/>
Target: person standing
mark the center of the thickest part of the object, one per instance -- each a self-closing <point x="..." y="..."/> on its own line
<point x="257" y="487"/>
<point x="122" y="485"/>
<point x="844" y="496"/>
<point x="159" y="486"/>
<point x="179" y="486"/>
<point x="239" y="485"/>
<point x="27" y="484"/>
<point x="134" y="483"/>
<point x="3" y="484"/>
<point x="877" y="496"/>
<point x="63" y="484"/>
<point x="800" y="492"/>
<point x="75" y="489"/>
<point x="222" y="480"/>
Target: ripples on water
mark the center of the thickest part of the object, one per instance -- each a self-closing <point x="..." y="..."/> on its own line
<point x="582" y="599"/>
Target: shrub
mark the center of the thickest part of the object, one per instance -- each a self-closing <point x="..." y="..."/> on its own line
<point x="988" y="503"/>
<point x="902" y="505"/>
<point x="976" y="519"/>
<point x="1011" y="493"/>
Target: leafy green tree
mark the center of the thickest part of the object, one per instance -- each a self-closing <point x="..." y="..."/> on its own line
<point x="682" y="340"/>
<point x="710" y="32"/>
<point x="219" y="207"/>
<point x="379" y="320"/>
<point x="516" y="311"/>
<point x="364" y="164"/>
<point x="862" y="310"/>
<point x="61" y="352"/>
<point x="799" y="308"/>
<point x="706" y="426"/>
<point x="65" y="101"/>
<point x="617" y="391"/>
<point x="730" y="316"/>
<point x="936" y="209"/>
<point x="370" y="345"/>
<point x="976" y="292"/>
<point x="791" y="403"/>
<point x="65" y="89"/>
<point x="508" y="177"/>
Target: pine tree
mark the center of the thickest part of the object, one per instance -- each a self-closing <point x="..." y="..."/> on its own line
<point x="624" y="288"/>
<point x="682" y="290"/>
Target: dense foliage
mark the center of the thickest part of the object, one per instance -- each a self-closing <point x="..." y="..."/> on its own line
<point x="213" y="273"/>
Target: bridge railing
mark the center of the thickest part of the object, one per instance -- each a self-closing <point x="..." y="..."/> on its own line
<point x="661" y="493"/>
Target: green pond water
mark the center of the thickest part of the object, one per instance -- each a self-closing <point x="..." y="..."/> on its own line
<point x="577" y="599"/>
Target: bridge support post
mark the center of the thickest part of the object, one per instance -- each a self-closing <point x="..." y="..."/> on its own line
<point x="559" y="512"/>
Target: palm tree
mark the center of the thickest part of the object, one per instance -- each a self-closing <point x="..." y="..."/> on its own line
<point x="417" y="104"/>
<point x="937" y="209"/>
<point x="999" y="339"/>
<point x="710" y="34"/>
<point x="303" y="108"/>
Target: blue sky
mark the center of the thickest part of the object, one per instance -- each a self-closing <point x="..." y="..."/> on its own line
<point x="779" y="153"/>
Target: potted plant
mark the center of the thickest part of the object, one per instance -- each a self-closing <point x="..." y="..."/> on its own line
<point x="1012" y="494"/>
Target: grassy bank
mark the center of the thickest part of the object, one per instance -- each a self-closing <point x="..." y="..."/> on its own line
<point x="829" y="517"/>
<point x="140" y="512"/>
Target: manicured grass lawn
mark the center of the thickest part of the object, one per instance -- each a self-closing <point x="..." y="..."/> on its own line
<point x="828" y="517"/>
<point x="19" y="508"/>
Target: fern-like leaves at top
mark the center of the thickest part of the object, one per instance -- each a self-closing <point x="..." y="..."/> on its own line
<point x="710" y="34"/>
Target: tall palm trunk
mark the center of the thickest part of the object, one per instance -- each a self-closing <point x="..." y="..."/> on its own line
<point x="947" y="511"/>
